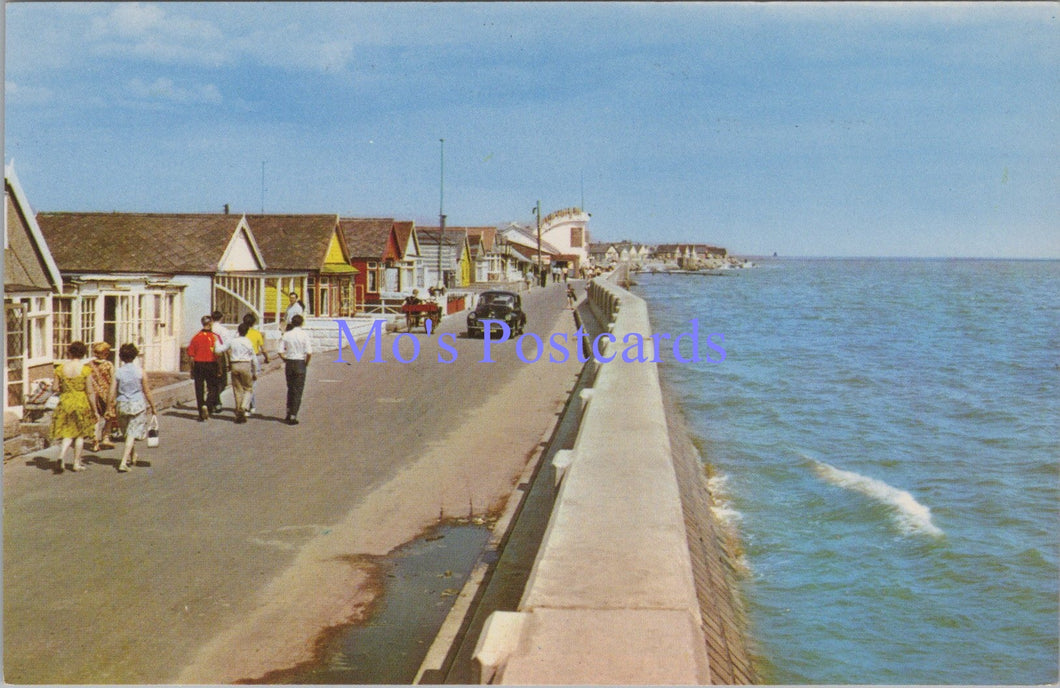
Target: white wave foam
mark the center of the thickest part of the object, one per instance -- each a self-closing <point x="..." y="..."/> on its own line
<point x="911" y="515"/>
<point x="718" y="485"/>
<point x="727" y="515"/>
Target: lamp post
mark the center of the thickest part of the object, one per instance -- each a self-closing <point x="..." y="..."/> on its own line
<point x="540" y="267"/>
<point x="441" y="215"/>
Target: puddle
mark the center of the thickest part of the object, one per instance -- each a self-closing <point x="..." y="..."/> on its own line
<point x="421" y="580"/>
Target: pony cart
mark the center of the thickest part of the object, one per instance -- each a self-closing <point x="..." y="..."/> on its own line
<point x="417" y="314"/>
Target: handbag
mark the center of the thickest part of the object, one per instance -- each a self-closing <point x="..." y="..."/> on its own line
<point x="152" y="432"/>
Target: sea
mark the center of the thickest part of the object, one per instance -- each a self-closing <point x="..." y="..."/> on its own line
<point x="884" y="437"/>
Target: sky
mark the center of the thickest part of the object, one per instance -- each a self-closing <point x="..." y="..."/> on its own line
<point x="836" y="129"/>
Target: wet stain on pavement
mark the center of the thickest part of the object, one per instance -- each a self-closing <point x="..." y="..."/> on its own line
<point x="420" y="582"/>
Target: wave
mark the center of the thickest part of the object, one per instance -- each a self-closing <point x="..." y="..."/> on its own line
<point x="723" y="509"/>
<point x="728" y="520"/>
<point x="911" y="515"/>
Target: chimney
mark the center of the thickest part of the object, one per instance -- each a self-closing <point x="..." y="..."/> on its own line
<point x="226" y="208"/>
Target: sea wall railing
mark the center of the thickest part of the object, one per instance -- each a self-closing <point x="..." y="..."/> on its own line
<point x="611" y="597"/>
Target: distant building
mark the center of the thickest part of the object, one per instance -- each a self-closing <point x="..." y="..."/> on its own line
<point x="385" y="262"/>
<point x="689" y="256"/>
<point x="455" y="260"/>
<point x="603" y="255"/>
<point x="487" y="254"/>
<point x="521" y="245"/>
<point x="568" y="231"/>
<point x="411" y="257"/>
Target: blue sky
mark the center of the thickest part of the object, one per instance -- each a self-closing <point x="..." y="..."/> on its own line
<point x="834" y="129"/>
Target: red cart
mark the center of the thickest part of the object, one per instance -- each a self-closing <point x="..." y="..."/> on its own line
<point x="417" y="314"/>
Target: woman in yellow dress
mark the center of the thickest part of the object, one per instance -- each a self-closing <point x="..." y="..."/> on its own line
<point x="74" y="419"/>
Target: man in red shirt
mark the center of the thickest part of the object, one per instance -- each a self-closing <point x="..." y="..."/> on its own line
<point x="205" y="370"/>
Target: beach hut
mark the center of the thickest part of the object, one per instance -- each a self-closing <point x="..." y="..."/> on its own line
<point x="386" y="255"/>
<point x="31" y="280"/>
<point x="311" y="252"/>
<point x="455" y="256"/>
<point x="147" y="278"/>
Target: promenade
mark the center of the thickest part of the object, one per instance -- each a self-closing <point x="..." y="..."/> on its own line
<point x="231" y="548"/>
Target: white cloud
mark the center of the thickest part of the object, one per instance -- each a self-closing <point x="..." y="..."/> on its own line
<point x="155" y="33"/>
<point x="165" y="89"/>
<point x="17" y="94"/>
<point x="150" y="22"/>
<point x="292" y="49"/>
<point x="210" y="36"/>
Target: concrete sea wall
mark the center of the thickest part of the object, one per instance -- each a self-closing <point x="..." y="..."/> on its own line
<point x="633" y="583"/>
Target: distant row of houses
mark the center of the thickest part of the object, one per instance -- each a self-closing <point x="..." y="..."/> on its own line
<point x="147" y="278"/>
<point x="684" y="255"/>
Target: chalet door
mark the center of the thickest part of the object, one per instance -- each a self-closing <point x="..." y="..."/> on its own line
<point x="346" y="297"/>
<point x="161" y="351"/>
<point x="15" y="365"/>
<point x="123" y="320"/>
<point x="336" y="300"/>
<point x="323" y="308"/>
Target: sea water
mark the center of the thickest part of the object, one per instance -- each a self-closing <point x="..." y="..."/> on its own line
<point x="885" y="435"/>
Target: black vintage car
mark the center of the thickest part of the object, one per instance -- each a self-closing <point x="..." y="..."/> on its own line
<point x="505" y="306"/>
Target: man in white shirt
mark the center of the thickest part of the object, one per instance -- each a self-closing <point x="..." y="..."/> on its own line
<point x="295" y="307"/>
<point x="241" y="355"/>
<point x="225" y="335"/>
<point x="296" y="350"/>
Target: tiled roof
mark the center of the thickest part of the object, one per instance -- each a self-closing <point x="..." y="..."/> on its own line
<point x="429" y="237"/>
<point x="293" y="242"/>
<point x="487" y="235"/>
<point x="31" y="261"/>
<point x="528" y="253"/>
<point x="137" y="242"/>
<point x="404" y="230"/>
<point x="366" y="237"/>
<point x="517" y="234"/>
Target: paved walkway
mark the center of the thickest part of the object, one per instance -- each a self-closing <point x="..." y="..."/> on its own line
<point x="233" y="546"/>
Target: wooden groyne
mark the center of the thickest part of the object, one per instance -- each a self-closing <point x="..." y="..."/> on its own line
<point x="634" y="581"/>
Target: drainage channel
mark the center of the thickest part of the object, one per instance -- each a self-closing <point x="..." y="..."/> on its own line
<point x="423" y="579"/>
<point x="503" y="585"/>
<point x="421" y="582"/>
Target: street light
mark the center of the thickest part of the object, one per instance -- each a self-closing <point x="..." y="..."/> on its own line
<point x="540" y="270"/>
<point x="441" y="216"/>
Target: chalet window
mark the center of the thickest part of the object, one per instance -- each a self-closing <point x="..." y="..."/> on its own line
<point x="87" y="331"/>
<point x="311" y="297"/>
<point x="123" y="320"/>
<point x="38" y="347"/>
<point x="373" y="277"/>
<point x="62" y="325"/>
<point x="15" y="325"/>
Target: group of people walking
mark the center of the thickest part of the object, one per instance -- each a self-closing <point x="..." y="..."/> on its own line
<point x="218" y="355"/>
<point x="94" y="396"/>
